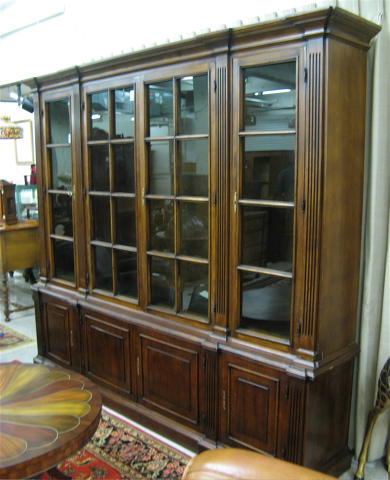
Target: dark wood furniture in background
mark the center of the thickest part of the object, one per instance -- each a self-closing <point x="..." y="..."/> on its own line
<point x="47" y="414"/>
<point x="158" y="175"/>
<point x="18" y="251"/>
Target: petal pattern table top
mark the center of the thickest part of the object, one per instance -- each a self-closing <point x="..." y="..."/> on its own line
<point x="46" y="414"/>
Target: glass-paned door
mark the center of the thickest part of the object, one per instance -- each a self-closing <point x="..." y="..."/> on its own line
<point x="59" y="180"/>
<point x="264" y="196"/>
<point x="111" y="192"/>
<point x="176" y="195"/>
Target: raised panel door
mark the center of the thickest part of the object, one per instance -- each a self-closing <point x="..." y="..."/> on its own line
<point x="168" y="375"/>
<point x="107" y="352"/>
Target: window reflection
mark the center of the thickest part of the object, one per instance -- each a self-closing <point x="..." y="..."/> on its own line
<point x="59" y="121"/>
<point x="268" y="167"/>
<point x="127" y="273"/>
<point x="161" y="231"/>
<point x="161" y="167"/>
<point x="161" y="109"/>
<point x="99" y="114"/>
<point x="194" y="288"/>
<point x="101" y="219"/>
<point x="100" y="170"/>
<point x="162" y="281"/>
<point x="61" y="168"/>
<point x="193" y="229"/>
<point x="124" y="113"/>
<point x="62" y="218"/>
<point x="103" y="268"/>
<point x="194" y="168"/>
<point x="123" y="161"/>
<point x="270" y="97"/>
<point x="63" y="260"/>
<point x="125" y="221"/>
<point x="194" y="105"/>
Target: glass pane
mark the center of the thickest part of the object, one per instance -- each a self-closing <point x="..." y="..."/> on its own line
<point x="100" y="170"/>
<point x="125" y="221"/>
<point x="161" y="225"/>
<point x="161" y="168"/>
<point x="194" y="288"/>
<point x="59" y="121"/>
<point x="161" y="109"/>
<point x="61" y="168"/>
<point x="269" y="167"/>
<point x="124" y="113"/>
<point x="266" y="306"/>
<point x="62" y="223"/>
<point x="101" y="219"/>
<point x="127" y="273"/>
<point x="162" y="282"/>
<point x="63" y="259"/>
<point x="194" y="229"/>
<point x="123" y="161"/>
<point x="103" y="268"/>
<point x="270" y="97"/>
<point x="99" y="116"/>
<point x="194" y="105"/>
<point x="267" y="237"/>
<point x="194" y="168"/>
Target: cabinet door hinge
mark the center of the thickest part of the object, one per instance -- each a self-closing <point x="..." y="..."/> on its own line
<point x="80" y="319"/>
<point x="82" y="105"/>
<point x="204" y="363"/>
<point x="299" y="329"/>
<point x="215" y="85"/>
<point x="235" y="202"/>
<point x="41" y="305"/>
<point x="305" y="75"/>
<point x="47" y="268"/>
<point x="284" y="453"/>
<point x="138" y="366"/>
<point x="87" y="279"/>
<point x="204" y="419"/>
<point x="84" y="193"/>
<point x="214" y="308"/>
<point x="287" y="391"/>
<point x="224" y="399"/>
<point x="215" y="199"/>
<point x="303" y="205"/>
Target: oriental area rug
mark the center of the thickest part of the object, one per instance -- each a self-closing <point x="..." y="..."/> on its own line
<point x="118" y="450"/>
<point x="9" y="339"/>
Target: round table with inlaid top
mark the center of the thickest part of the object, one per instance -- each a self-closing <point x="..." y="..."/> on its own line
<point x="47" y="414"/>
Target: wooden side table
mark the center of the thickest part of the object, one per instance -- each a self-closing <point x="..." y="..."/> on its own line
<point x="18" y="251"/>
<point x="47" y="415"/>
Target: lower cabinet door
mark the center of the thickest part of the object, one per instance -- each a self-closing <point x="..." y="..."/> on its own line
<point x="107" y="352"/>
<point x="168" y="376"/>
<point x="60" y="333"/>
<point x="250" y="402"/>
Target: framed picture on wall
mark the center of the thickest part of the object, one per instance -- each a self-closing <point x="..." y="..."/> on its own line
<point x="24" y="149"/>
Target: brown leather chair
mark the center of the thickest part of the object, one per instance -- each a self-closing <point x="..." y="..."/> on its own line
<point x="239" y="464"/>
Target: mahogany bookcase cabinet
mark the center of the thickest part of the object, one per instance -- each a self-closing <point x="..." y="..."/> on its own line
<point x="200" y="209"/>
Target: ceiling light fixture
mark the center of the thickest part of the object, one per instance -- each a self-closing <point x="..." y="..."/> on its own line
<point x="278" y="90"/>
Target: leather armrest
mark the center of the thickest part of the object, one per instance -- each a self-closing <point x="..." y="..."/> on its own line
<point x="239" y="464"/>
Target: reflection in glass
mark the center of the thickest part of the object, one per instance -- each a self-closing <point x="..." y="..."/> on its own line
<point x="62" y="218"/>
<point x="59" y="121"/>
<point x="127" y="273"/>
<point x="194" y="168"/>
<point x="123" y="161"/>
<point x="270" y="97"/>
<point x="63" y="260"/>
<point x="266" y="306"/>
<point x="267" y="237"/>
<point x="124" y="113"/>
<point x="162" y="282"/>
<point x="194" y="105"/>
<point x="99" y="115"/>
<point x="161" y="109"/>
<point x="161" y="167"/>
<point x="161" y="215"/>
<point x="101" y="219"/>
<point x="103" y="268"/>
<point x="100" y="177"/>
<point x="125" y="221"/>
<point x="193" y="229"/>
<point x="268" y="167"/>
<point x="194" y="288"/>
<point x="61" y="168"/>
